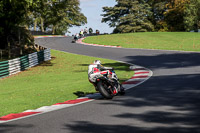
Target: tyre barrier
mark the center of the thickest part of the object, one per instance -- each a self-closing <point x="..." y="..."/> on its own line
<point x="17" y="65"/>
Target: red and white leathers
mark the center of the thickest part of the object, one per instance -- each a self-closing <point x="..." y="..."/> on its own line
<point x="94" y="71"/>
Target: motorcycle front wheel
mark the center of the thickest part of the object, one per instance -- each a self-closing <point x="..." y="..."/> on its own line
<point x="103" y="89"/>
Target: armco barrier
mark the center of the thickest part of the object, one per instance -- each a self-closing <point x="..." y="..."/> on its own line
<point x="4" y="69"/>
<point x="14" y="66"/>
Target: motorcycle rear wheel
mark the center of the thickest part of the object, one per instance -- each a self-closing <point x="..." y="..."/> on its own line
<point x="103" y="89"/>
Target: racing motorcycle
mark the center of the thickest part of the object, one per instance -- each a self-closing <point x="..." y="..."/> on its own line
<point x="108" y="84"/>
<point x="74" y="40"/>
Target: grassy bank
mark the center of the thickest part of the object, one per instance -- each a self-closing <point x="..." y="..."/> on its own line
<point x="61" y="79"/>
<point x="183" y="41"/>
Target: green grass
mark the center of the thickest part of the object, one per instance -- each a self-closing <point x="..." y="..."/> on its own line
<point x="48" y="35"/>
<point x="183" y="41"/>
<point x="61" y="79"/>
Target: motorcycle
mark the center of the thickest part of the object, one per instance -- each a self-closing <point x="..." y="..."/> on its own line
<point x="108" y="84"/>
<point x="74" y="39"/>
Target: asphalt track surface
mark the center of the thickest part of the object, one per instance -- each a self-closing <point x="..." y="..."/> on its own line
<point x="168" y="102"/>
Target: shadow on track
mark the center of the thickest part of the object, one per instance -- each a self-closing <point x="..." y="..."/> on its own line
<point x="167" y="102"/>
<point x="174" y="60"/>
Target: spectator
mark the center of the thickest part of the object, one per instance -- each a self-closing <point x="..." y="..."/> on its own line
<point x="85" y="31"/>
<point x="81" y="33"/>
<point x="90" y="30"/>
<point x="97" y="32"/>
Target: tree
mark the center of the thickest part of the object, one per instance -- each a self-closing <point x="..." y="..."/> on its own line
<point x="39" y="10"/>
<point x="192" y="15"/>
<point x="57" y="15"/>
<point x="13" y="18"/>
<point x="158" y="7"/>
<point x="16" y="16"/>
<point x="174" y="15"/>
<point x="129" y="16"/>
<point x="68" y="15"/>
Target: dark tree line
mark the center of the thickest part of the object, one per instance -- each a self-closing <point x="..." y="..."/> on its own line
<point x="18" y="17"/>
<point x="153" y="15"/>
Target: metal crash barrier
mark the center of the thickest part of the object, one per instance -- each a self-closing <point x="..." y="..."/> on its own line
<point x="17" y="65"/>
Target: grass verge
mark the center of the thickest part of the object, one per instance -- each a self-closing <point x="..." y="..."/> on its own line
<point x="183" y="41"/>
<point x="61" y="79"/>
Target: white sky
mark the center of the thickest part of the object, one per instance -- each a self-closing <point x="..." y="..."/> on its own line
<point x="92" y="9"/>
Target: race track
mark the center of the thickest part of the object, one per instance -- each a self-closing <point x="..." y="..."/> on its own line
<point x="168" y="102"/>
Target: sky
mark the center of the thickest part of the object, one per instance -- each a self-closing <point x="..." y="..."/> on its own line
<point x="92" y="9"/>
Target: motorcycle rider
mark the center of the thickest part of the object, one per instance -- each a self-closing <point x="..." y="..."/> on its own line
<point x="95" y="70"/>
<point x="76" y="37"/>
<point x="81" y="33"/>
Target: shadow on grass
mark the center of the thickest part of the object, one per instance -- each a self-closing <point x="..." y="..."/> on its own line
<point x="48" y="63"/>
<point x="82" y="94"/>
<point x="117" y="66"/>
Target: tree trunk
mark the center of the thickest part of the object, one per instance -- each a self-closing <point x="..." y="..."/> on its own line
<point x="35" y="24"/>
<point x="53" y="29"/>
<point x="1" y="51"/>
<point x="21" y="46"/>
<point x="9" y="50"/>
<point x="26" y="26"/>
<point x="42" y="24"/>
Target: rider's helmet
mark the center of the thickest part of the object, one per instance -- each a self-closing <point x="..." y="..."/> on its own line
<point x="97" y="62"/>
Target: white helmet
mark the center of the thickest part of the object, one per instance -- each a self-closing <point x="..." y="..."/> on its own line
<point x="97" y="62"/>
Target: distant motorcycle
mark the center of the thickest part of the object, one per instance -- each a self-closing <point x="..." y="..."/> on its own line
<point x="74" y="39"/>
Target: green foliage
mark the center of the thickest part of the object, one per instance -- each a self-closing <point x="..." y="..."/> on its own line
<point x="174" y="14"/>
<point x="161" y="26"/>
<point x="13" y="16"/>
<point x="192" y="15"/>
<point x="57" y="15"/>
<point x="129" y="16"/>
<point x="17" y="16"/>
<point x="153" y="15"/>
